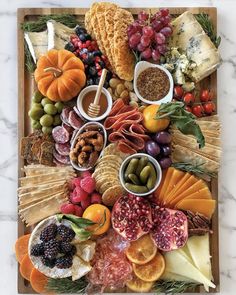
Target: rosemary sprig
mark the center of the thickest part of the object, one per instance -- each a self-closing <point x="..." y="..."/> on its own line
<point x="173" y="287"/>
<point x="208" y="27"/>
<point x="67" y="286"/>
<point x="29" y="63"/>
<point x="137" y="56"/>
<point x="40" y="24"/>
<point x="195" y="169"/>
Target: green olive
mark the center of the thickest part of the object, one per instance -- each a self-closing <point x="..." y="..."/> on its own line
<point x="47" y="130"/>
<point x="59" y="105"/>
<point x="46" y="120"/>
<point x="50" y="109"/>
<point x="35" y="124"/>
<point x="37" y="97"/>
<point x="57" y="120"/>
<point x="35" y="113"/>
<point x="45" y="101"/>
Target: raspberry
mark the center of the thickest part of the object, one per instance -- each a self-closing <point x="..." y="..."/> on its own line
<point x="85" y="174"/>
<point x="78" y="210"/>
<point x="67" y="209"/>
<point x="88" y="184"/>
<point x="84" y="204"/>
<point x="96" y="198"/>
<point x="71" y="185"/>
<point x="78" y="195"/>
<point x="76" y="181"/>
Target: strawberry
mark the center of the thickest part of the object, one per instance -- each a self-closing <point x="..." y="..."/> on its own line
<point x="96" y="198"/>
<point x="88" y="184"/>
<point x="67" y="208"/>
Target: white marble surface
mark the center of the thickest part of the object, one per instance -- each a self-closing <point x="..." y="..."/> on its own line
<point x="8" y="131"/>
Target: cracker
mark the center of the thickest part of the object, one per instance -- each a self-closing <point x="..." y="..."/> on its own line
<point x="46" y="153"/>
<point x="111" y="195"/>
<point x="106" y="185"/>
<point x="112" y="149"/>
<point x="112" y="178"/>
<point x="109" y="158"/>
<point x="35" y="188"/>
<point x="32" y="170"/>
<point x="209" y="118"/>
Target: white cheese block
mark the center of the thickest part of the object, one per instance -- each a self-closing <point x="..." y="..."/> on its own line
<point x="177" y="263"/>
<point x="79" y="268"/>
<point x="189" y="36"/>
<point x="170" y="276"/>
<point x="86" y="250"/>
<point x="58" y="35"/>
<point x="37" y="43"/>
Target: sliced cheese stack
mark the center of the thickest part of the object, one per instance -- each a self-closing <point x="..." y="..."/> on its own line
<point x="42" y="191"/>
<point x="186" y="149"/>
<point x="189" y="36"/>
<point x="182" y="190"/>
<point x="190" y="263"/>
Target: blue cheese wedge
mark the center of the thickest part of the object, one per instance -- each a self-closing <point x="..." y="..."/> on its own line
<point x="37" y="43"/>
<point x="58" y="34"/>
<point x="189" y="37"/>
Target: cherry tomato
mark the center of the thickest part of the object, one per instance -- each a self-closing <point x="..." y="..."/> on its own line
<point x="188" y="109"/>
<point x="209" y="108"/>
<point x="205" y="95"/>
<point x="198" y="110"/>
<point x="178" y="92"/>
<point x="188" y="98"/>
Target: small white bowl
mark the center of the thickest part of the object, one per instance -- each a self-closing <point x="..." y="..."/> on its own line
<point x="155" y="164"/>
<point x="99" y="125"/>
<point x="139" y="68"/>
<point x="80" y="106"/>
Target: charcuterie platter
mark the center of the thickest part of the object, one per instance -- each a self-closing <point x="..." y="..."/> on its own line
<point x="119" y="150"/>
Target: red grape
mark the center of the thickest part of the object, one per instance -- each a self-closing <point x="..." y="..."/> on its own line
<point x="148" y="31"/>
<point x="166" y="20"/>
<point x="164" y="11"/>
<point x="140" y="47"/>
<point x="147" y="53"/>
<point x="138" y="27"/>
<point x="166" y="31"/>
<point x="143" y="16"/>
<point x="134" y="40"/>
<point x="145" y="41"/>
<point x="156" y="54"/>
<point x="131" y="30"/>
<point x="160" y="38"/>
<point x="157" y="25"/>
<point x="162" y="48"/>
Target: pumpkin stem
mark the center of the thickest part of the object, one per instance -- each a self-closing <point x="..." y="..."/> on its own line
<point x="56" y="72"/>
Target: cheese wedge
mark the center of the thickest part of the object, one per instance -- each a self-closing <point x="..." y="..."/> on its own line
<point x="175" y="178"/>
<point x="170" y="276"/>
<point x="158" y="190"/>
<point x="201" y="194"/>
<point x="166" y="183"/>
<point x="203" y="206"/>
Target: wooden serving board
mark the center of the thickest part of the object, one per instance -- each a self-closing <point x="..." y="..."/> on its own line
<point x="25" y="90"/>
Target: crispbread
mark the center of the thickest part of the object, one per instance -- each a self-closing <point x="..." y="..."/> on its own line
<point x="111" y="195"/>
<point x="38" y="188"/>
<point x="32" y="170"/>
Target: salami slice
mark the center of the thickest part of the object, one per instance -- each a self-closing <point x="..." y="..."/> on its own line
<point x="57" y="163"/>
<point x="63" y="148"/>
<point x="68" y="128"/>
<point x="61" y="159"/>
<point x="65" y="115"/>
<point x="60" y="134"/>
<point x="78" y="113"/>
<point x="74" y="120"/>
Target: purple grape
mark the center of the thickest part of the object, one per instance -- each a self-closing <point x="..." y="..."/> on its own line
<point x="163" y="137"/>
<point x="165" y="162"/>
<point x="152" y="148"/>
<point x="166" y="150"/>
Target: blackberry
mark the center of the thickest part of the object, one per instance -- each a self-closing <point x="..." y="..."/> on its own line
<point x="92" y="71"/>
<point x="66" y="233"/>
<point x="64" y="261"/>
<point x="79" y="30"/>
<point x="67" y="248"/>
<point x="48" y="233"/>
<point x="37" y="250"/>
<point x="48" y="262"/>
<point x="51" y="249"/>
<point x="69" y="46"/>
<point x="97" y="53"/>
<point x="90" y="82"/>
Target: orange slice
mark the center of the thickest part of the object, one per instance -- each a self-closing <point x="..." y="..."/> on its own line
<point x="151" y="271"/>
<point x="26" y="267"/>
<point x="141" y="251"/>
<point x="38" y="281"/>
<point x="137" y="285"/>
<point x="21" y="247"/>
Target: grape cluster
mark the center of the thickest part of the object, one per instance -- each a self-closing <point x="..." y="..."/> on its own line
<point x="87" y="50"/>
<point x="148" y="34"/>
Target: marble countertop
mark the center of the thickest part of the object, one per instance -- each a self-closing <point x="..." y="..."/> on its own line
<point x="8" y="131"/>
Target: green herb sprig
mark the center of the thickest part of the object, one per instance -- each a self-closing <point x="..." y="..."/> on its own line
<point x="205" y="22"/>
<point x="195" y="169"/>
<point x="41" y="23"/>
<point x="173" y="287"/>
<point x="29" y="63"/>
<point x="182" y="119"/>
<point x="67" y="286"/>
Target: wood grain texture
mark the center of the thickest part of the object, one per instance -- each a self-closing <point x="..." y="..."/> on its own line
<point x="25" y="90"/>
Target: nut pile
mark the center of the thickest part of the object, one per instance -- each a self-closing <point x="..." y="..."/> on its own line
<point x="120" y="89"/>
<point x="87" y="148"/>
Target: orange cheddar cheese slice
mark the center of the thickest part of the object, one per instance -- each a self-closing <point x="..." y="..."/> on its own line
<point x="175" y="178"/>
<point x="166" y="183"/>
<point x="201" y="194"/>
<point x="203" y="206"/>
<point x="158" y="190"/>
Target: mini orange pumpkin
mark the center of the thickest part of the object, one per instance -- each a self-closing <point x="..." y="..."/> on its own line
<point x="60" y="75"/>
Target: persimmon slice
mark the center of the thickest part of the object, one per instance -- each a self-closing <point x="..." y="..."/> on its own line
<point x="21" y="247"/>
<point x="142" y="250"/>
<point x="152" y="270"/>
<point x="38" y="281"/>
<point x="26" y="267"/>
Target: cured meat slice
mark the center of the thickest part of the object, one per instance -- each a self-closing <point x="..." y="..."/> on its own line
<point x="65" y="115"/>
<point x="78" y="113"/>
<point x="60" y="134"/>
<point x="61" y="159"/>
<point x="63" y="148"/>
<point x="74" y="120"/>
<point x="68" y="128"/>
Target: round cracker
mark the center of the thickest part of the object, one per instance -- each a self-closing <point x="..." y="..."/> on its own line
<point x="104" y="170"/>
<point x="108" y="158"/>
<point x="111" y="195"/>
<point x="106" y="185"/>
